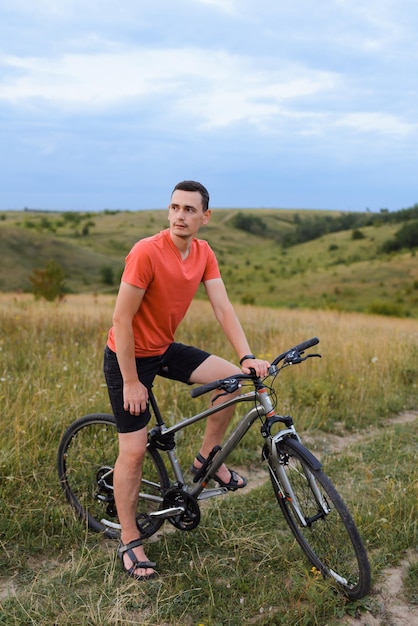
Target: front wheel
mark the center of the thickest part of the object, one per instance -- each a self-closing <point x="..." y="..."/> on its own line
<point x="319" y="519"/>
<point x="86" y="457"/>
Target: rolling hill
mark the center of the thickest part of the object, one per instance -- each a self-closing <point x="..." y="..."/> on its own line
<point x="270" y="257"/>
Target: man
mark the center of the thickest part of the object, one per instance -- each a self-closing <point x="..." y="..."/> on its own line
<point x="160" y="279"/>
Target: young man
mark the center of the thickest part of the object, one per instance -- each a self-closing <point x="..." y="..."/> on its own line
<point x="160" y="279"/>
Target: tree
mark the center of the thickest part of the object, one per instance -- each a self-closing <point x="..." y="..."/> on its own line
<point x="405" y="237"/>
<point x="250" y="223"/>
<point x="48" y="283"/>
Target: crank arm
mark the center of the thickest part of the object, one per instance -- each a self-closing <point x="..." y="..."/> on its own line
<point x="164" y="513"/>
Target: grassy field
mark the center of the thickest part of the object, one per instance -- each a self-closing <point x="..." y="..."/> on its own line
<point x="334" y="271"/>
<point x="348" y="405"/>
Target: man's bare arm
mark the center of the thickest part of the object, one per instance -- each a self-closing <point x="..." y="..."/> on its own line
<point x="129" y="300"/>
<point x="230" y="324"/>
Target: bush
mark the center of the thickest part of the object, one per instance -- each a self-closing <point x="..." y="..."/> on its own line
<point x="48" y="283"/>
<point x="106" y="273"/>
<point x="250" y="223"/>
<point x="405" y="237"/>
<point x="357" y="234"/>
<point x="386" y="308"/>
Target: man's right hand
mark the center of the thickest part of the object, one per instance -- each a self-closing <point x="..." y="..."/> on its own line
<point x="135" y="397"/>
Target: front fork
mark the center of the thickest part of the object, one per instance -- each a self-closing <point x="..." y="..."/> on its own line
<point x="277" y="463"/>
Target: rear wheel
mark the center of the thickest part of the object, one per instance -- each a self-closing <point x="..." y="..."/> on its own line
<point x="86" y="457"/>
<point x="320" y="521"/>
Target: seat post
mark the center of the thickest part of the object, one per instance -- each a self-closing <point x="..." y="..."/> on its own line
<point x="155" y="409"/>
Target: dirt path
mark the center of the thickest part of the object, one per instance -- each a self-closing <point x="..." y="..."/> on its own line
<point x="326" y="442"/>
<point x="390" y="607"/>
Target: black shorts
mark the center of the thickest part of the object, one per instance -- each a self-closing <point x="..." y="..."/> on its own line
<point x="178" y="363"/>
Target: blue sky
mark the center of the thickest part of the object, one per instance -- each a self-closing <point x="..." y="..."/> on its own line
<point x="107" y="104"/>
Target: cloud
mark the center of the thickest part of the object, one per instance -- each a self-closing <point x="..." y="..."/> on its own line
<point x="214" y="87"/>
<point x="259" y="98"/>
<point x="376" y="122"/>
<point x="77" y="80"/>
<point x="229" y="6"/>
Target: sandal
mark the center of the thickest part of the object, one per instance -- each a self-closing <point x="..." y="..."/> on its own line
<point x="233" y="483"/>
<point x="128" y="549"/>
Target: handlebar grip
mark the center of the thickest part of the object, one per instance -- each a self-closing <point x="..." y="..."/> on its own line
<point x="199" y="391"/>
<point x="306" y="344"/>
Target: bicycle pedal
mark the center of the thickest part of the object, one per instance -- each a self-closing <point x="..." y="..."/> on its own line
<point x="146" y="525"/>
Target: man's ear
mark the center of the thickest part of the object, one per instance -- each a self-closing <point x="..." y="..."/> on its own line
<point x="206" y="216"/>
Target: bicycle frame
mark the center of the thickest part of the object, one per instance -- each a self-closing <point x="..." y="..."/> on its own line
<point x="245" y="423"/>
<point x="263" y="407"/>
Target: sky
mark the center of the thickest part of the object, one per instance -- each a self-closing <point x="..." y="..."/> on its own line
<point x="107" y="104"/>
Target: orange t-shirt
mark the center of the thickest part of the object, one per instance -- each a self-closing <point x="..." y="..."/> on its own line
<point x="155" y="264"/>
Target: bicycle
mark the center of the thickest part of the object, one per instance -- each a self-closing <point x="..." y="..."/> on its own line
<point x="310" y="504"/>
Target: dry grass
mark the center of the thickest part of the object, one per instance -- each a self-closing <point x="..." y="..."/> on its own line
<point x="222" y="573"/>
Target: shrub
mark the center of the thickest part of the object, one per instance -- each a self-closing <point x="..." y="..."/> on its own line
<point x="405" y="237"/>
<point x="357" y="234"/>
<point x="48" y="283"/>
<point x="250" y="223"/>
<point x="106" y="273"/>
<point x="386" y="308"/>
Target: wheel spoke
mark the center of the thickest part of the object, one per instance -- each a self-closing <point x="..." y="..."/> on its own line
<point x="86" y="457"/>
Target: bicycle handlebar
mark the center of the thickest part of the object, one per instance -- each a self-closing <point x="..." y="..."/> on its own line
<point x="232" y="383"/>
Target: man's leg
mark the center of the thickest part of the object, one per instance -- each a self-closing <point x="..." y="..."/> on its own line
<point x="211" y="369"/>
<point x="126" y="482"/>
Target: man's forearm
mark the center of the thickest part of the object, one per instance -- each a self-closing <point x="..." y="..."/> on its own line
<point x="125" y="352"/>
<point x="233" y="330"/>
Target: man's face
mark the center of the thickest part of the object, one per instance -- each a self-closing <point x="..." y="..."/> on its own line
<point x="185" y="213"/>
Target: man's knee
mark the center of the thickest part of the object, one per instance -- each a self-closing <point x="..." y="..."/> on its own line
<point x="133" y="447"/>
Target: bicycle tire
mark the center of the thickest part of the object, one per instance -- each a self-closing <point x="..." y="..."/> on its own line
<point x="86" y="455"/>
<point x="331" y="541"/>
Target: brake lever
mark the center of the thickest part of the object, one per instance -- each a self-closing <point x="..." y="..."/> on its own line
<point x="229" y="387"/>
<point x="312" y="355"/>
<point x="225" y="393"/>
<point x="294" y="357"/>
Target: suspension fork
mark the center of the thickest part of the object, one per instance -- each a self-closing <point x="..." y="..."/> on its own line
<point x="279" y="475"/>
<point x="282" y="480"/>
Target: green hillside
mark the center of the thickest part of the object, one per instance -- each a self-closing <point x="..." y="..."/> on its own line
<point x="270" y="257"/>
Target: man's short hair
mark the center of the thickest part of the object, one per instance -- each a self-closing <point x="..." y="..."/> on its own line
<point x="192" y="185"/>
